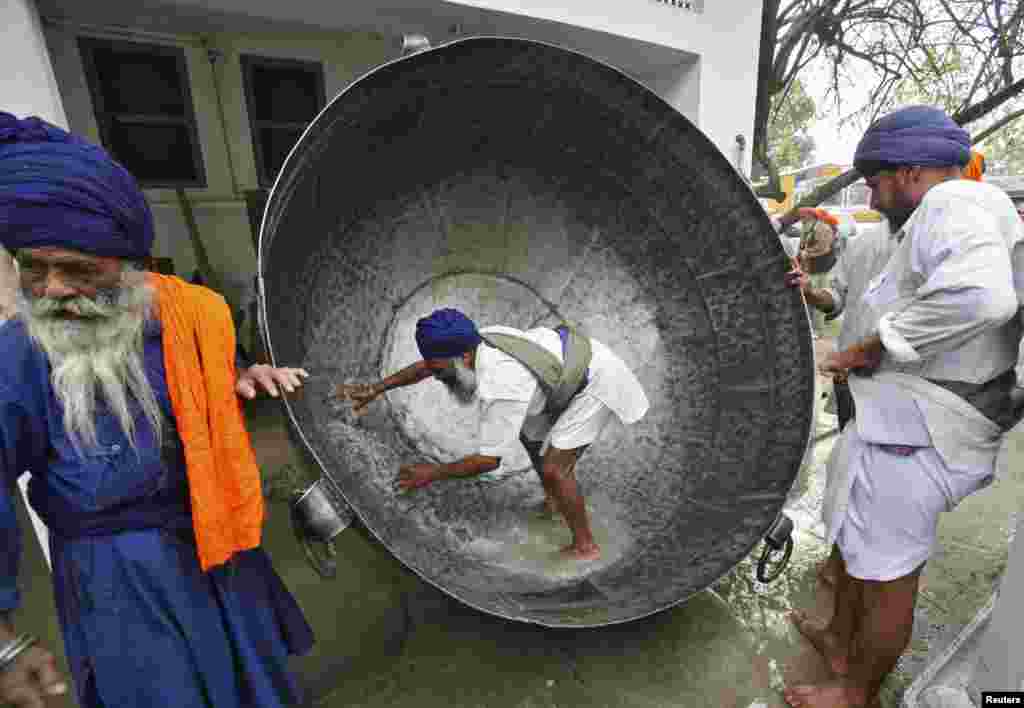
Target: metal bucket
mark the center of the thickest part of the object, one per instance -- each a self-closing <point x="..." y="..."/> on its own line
<point x="527" y="184"/>
<point x="318" y="519"/>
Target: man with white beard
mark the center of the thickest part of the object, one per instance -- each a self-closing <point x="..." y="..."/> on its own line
<point x="504" y="369"/>
<point x="119" y="395"/>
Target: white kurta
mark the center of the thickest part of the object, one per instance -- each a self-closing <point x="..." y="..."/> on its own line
<point x="945" y="307"/>
<point x="862" y="259"/>
<point x="510" y="395"/>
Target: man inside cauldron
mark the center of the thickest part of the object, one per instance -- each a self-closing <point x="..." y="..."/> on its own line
<point x="553" y="390"/>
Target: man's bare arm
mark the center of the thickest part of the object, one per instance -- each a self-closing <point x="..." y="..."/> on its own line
<point x="470" y="466"/>
<point x="363" y="394"/>
<point x="421" y="474"/>
<point x="820" y="298"/>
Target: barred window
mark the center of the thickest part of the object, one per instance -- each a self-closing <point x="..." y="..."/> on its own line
<point x="143" y="105"/>
<point x="282" y="97"/>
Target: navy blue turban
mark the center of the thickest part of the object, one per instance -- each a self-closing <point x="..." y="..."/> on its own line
<point x="917" y="135"/>
<point x="56" y="189"/>
<point x="445" y="334"/>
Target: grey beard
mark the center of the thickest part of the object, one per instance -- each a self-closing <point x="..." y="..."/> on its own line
<point x="97" y="355"/>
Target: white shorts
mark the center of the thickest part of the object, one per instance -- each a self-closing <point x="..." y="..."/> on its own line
<point x="580" y="424"/>
<point x="891" y="524"/>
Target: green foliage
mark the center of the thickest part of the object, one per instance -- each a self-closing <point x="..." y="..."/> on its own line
<point x="1004" y="150"/>
<point x="792" y="115"/>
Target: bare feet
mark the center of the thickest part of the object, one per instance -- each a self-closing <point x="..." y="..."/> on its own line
<point x="825" y="642"/>
<point x="835" y="694"/>
<point x="582" y="551"/>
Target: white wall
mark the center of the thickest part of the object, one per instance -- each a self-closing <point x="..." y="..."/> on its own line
<point x="28" y="88"/>
<point x="27" y="83"/>
<point x="679" y="86"/>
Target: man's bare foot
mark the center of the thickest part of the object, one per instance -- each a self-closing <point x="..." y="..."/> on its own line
<point x="824" y="641"/>
<point x="835" y="694"/>
<point x="582" y="552"/>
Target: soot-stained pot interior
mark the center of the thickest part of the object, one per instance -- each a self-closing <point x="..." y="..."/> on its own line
<point x="524" y="183"/>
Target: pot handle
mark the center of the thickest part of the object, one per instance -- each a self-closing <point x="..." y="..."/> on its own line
<point x="323" y="561"/>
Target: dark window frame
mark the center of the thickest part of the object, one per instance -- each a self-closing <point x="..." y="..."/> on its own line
<point x="251" y="62"/>
<point x="105" y="118"/>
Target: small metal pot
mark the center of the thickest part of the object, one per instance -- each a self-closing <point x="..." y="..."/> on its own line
<point x="317" y="519"/>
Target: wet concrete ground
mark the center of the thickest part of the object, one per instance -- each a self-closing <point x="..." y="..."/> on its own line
<point x="385" y="638"/>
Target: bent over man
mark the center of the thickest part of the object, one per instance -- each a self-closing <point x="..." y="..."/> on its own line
<point x="934" y="385"/>
<point x="501" y="366"/>
<point x="119" y="395"/>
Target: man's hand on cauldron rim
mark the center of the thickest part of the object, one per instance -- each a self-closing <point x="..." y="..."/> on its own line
<point x="270" y="379"/>
<point x="361" y="395"/>
<point x="417" y="475"/>
<point x="797" y="277"/>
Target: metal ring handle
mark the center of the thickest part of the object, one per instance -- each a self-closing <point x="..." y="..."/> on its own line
<point x="763" y="563"/>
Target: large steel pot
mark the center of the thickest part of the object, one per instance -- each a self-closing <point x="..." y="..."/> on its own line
<point x="524" y="183"/>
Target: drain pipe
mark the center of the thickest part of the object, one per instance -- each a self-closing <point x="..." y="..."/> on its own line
<point x="741" y="151"/>
<point x="214" y="56"/>
<point x="202" y="257"/>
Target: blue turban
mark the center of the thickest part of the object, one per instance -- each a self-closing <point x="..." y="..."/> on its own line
<point x="445" y="334"/>
<point x="917" y="135"/>
<point x="56" y="189"/>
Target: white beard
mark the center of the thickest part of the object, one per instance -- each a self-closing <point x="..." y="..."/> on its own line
<point x="97" y="354"/>
<point x="463" y="386"/>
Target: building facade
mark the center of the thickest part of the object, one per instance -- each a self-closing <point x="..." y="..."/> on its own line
<point x="202" y="99"/>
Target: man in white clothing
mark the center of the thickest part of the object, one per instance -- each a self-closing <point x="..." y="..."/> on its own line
<point x="934" y="385"/>
<point x="862" y="259"/>
<point x="502" y="368"/>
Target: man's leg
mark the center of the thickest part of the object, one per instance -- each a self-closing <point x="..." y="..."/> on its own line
<point x="560" y="484"/>
<point x="533" y="448"/>
<point x="885" y="617"/>
<point x="833" y="639"/>
<point x="828" y="570"/>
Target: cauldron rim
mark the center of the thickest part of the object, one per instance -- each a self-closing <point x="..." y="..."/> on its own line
<point x="266" y="237"/>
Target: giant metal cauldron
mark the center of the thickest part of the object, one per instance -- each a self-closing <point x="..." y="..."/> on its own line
<point x="524" y="183"/>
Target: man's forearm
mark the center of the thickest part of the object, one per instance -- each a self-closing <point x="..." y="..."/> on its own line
<point x="469" y="466"/>
<point x="820" y="298"/>
<point x="865" y="353"/>
<point x="414" y="373"/>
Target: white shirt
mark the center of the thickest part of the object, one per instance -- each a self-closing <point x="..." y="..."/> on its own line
<point x="508" y="392"/>
<point x="863" y="258"/>
<point x="946" y="300"/>
<point x="790" y="244"/>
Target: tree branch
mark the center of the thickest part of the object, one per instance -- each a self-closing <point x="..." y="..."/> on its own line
<point x="997" y="126"/>
<point x="983" y="108"/>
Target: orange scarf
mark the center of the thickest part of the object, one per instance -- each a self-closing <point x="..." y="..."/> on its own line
<point x="976" y="167"/>
<point x="223" y="477"/>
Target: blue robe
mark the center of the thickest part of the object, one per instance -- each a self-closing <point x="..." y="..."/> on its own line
<point x="142" y="625"/>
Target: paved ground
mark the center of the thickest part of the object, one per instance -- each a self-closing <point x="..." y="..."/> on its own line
<point x="388" y="639"/>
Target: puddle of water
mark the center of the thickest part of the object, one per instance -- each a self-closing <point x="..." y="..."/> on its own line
<point x="531" y="545"/>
